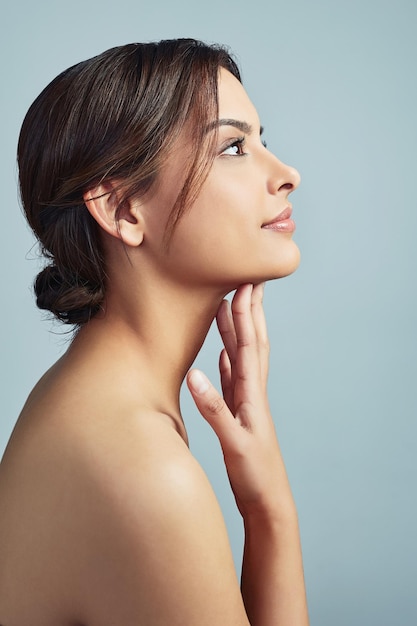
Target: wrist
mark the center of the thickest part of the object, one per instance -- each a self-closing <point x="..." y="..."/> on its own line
<point x="272" y="518"/>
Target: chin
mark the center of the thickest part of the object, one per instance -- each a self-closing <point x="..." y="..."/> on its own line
<point x="280" y="271"/>
<point x="286" y="265"/>
<point x="295" y="262"/>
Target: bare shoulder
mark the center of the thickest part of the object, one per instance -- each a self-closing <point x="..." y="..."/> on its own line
<point x="124" y="525"/>
<point x="161" y="552"/>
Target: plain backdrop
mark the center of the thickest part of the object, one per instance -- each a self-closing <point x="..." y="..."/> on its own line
<point x="335" y="85"/>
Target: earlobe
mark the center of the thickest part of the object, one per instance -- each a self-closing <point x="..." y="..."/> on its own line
<point x="118" y="218"/>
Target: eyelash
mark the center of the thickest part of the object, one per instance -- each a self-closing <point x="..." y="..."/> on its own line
<point x="240" y="144"/>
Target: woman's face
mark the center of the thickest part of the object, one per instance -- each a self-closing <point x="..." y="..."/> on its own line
<point x="238" y="230"/>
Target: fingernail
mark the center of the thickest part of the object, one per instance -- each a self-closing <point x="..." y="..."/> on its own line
<point x="198" y="381"/>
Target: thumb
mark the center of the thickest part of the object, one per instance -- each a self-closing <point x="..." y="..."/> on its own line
<point x="211" y="405"/>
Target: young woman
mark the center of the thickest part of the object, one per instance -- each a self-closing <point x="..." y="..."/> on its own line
<point x="145" y="179"/>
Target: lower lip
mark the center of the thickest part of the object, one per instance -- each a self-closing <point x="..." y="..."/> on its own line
<point x="282" y="226"/>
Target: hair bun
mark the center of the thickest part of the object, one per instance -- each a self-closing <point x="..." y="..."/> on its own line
<point x="71" y="299"/>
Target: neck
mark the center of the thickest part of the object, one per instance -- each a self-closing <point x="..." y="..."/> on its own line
<point x="153" y="336"/>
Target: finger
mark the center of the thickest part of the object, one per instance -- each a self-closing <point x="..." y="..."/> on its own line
<point x="242" y="317"/>
<point x="226" y="328"/>
<point x="258" y="313"/>
<point x="259" y="322"/>
<point x="226" y="380"/>
<point x="212" y="407"/>
<point x="247" y="369"/>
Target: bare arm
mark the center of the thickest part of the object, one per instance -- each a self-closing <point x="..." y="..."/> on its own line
<point x="272" y="575"/>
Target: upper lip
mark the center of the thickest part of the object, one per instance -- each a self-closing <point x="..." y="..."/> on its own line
<point x="284" y="215"/>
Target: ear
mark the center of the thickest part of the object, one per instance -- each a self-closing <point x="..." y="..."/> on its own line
<point x="122" y="220"/>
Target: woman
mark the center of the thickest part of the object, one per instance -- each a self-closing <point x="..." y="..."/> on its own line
<point x="145" y="179"/>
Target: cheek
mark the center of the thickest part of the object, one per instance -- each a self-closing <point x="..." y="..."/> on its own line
<point x="225" y="205"/>
<point x="210" y="241"/>
<point x="219" y="217"/>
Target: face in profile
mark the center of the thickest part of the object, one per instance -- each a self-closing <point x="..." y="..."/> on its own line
<point x="239" y="229"/>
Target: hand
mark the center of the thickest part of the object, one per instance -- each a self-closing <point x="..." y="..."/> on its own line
<point x="242" y="419"/>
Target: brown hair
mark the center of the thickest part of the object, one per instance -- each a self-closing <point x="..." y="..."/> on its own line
<point x="115" y="116"/>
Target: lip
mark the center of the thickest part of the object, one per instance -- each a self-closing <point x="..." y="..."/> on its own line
<point x="282" y="222"/>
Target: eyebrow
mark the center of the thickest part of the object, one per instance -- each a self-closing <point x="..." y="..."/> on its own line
<point x="239" y="124"/>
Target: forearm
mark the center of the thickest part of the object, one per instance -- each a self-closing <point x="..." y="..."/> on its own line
<point x="272" y="575"/>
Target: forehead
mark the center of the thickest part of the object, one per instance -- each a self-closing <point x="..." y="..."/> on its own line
<point x="234" y="102"/>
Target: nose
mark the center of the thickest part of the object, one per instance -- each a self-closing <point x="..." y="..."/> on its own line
<point x="283" y="177"/>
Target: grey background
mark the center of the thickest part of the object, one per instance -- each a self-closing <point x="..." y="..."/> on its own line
<point x="335" y="85"/>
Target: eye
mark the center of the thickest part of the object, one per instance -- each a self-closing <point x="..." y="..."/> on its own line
<point x="235" y="148"/>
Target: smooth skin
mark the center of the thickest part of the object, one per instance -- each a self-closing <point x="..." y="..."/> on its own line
<point x="106" y="517"/>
